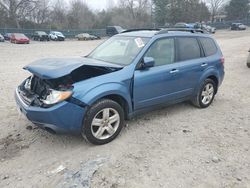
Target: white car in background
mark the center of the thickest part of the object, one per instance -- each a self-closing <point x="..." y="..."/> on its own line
<point x="86" y="36"/>
<point x="1" y="38"/>
<point x="210" y="29"/>
<point x="57" y="36"/>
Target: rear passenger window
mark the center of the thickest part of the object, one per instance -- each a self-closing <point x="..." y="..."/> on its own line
<point x="208" y="46"/>
<point x="188" y="48"/>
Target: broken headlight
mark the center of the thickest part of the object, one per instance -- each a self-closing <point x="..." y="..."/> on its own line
<point x="57" y="96"/>
<point x="27" y="84"/>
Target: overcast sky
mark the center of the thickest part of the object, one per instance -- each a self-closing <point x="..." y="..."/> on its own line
<point x="99" y="4"/>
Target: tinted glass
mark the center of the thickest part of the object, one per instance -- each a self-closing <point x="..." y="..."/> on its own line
<point x="188" y="48"/>
<point x="162" y="51"/>
<point x="208" y="46"/>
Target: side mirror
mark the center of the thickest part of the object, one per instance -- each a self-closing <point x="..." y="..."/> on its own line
<point x="147" y="62"/>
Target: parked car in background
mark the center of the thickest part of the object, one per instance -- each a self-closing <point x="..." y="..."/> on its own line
<point x="204" y="27"/>
<point x="248" y="59"/>
<point x="114" y="30"/>
<point x="183" y="25"/>
<point x="40" y="36"/>
<point x="209" y="29"/>
<point x="129" y="73"/>
<point x="1" y="38"/>
<point x="86" y="36"/>
<point x="238" y="26"/>
<point x="7" y="36"/>
<point x="56" y="35"/>
<point x="19" y="38"/>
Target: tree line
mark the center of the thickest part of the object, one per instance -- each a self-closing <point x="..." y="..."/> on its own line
<point x="76" y="14"/>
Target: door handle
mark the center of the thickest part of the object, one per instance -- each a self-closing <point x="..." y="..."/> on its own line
<point x="204" y="64"/>
<point x="174" y="71"/>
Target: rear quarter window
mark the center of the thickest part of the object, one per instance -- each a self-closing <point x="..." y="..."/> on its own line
<point x="188" y="48"/>
<point x="208" y="46"/>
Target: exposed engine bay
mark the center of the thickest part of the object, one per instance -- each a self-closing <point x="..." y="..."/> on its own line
<point x="35" y="90"/>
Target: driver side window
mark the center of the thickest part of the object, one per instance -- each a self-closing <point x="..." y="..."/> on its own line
<point x="163" y="51"/>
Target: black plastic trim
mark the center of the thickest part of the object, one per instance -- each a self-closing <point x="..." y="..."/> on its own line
<point x="76" y="102"/>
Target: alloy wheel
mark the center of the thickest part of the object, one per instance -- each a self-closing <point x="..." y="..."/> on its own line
<point x="105" y="123"/>
<point x="207" y="94"/>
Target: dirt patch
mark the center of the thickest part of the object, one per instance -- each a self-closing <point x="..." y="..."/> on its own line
<point x="10" y="146"/>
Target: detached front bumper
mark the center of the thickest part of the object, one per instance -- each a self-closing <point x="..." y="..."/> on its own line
<point x="64" y="117"/>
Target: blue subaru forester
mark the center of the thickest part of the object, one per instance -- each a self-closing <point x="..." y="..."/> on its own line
<point x="130" y="73"/>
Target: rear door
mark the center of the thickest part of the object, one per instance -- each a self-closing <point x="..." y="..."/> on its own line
<point x="190" y="58"/>
<point x="212" y="53"/>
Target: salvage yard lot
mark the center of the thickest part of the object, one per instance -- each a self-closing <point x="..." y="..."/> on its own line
<point x="178" y="146"/>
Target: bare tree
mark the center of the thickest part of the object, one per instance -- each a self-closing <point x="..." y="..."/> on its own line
<point x="136" y="13"/>
<point x="59" y="15"/>
<point x="17" y="9"/>
<point x="41" y="13"/>
<point x="80" y="16"/>
<point x="215" y="6"/>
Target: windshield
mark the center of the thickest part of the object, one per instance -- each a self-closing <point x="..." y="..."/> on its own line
<point x="58" y="33"/>
<point x="20" y="35"/>
<point x="119" y="50"/>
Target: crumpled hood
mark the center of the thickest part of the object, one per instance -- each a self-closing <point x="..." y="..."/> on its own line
<point x="52" y="68"/>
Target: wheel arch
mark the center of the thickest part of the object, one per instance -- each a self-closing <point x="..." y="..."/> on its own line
<point x="121" y="101"/>
<point x="216" y="81"/>
<point x="211" y="74"/>
<point x="113" y="91"/>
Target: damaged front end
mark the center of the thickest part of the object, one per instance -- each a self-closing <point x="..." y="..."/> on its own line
<point x="48" y="98"/>
<point x="45" y="92"/>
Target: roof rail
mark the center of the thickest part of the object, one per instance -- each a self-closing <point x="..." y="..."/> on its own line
<point x="182" y="29"/>
<point x="143" y="29"/>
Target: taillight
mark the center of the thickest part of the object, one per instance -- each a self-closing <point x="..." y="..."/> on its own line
<point x="222" y="60"/>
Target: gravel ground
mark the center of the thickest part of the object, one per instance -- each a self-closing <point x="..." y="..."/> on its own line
<point x="178" y="146"/>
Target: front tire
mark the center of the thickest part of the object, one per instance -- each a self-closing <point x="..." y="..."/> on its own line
<point x="206" y="94"/>
<point x="103" y="122"/>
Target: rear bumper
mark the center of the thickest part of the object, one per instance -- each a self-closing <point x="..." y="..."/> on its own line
<point x="222" y="75"/>
<point x="64" y="117"/>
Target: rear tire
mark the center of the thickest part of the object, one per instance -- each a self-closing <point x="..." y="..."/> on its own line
<point x="206" y="94"/>
<point x="103" y="122"/>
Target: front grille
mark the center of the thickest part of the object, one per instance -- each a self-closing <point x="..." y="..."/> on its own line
<point x="26" y="100"/>
<point x="32" y="90"/>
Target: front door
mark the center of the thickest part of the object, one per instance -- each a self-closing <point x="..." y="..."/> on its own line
<point x="157" y="84"/>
